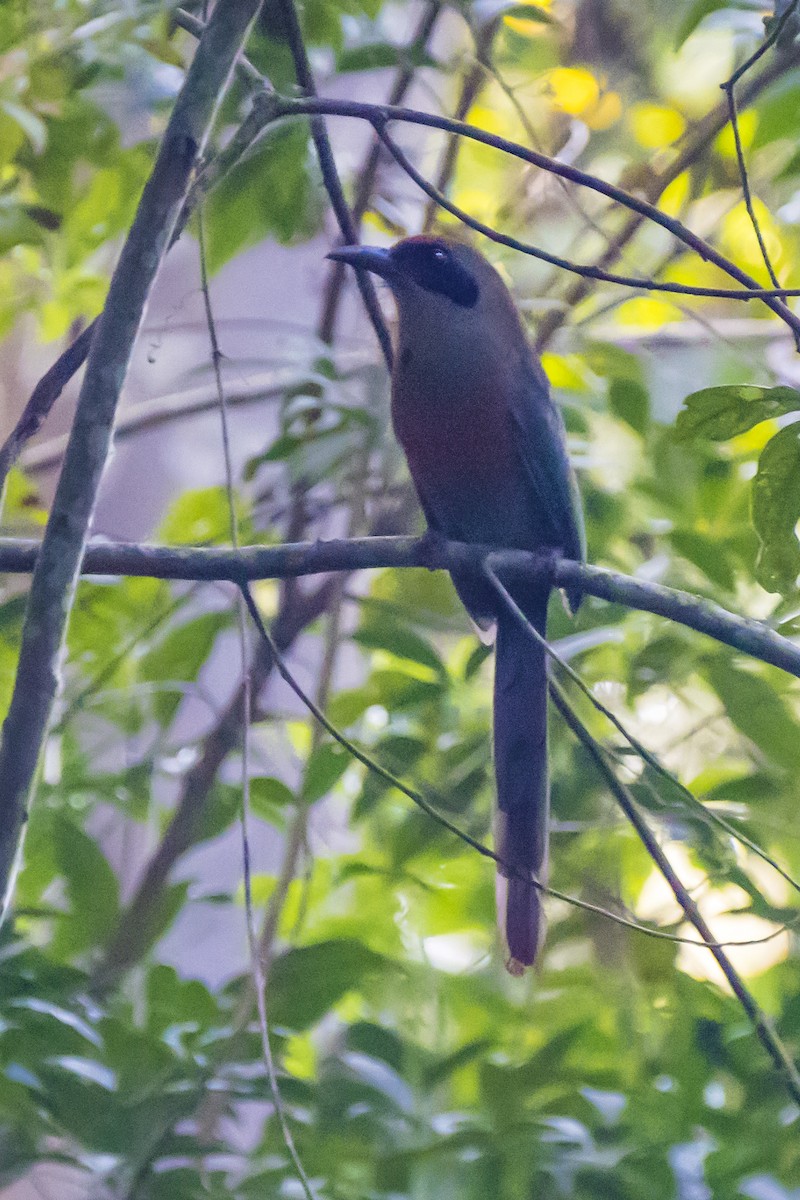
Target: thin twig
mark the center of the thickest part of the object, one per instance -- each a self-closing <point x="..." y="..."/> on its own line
<point x="366" y="175"/>
<point x="330" y="174"/>
<point x="161" y="410"/>
<point x="53" y="382"/>
<point x="379" y="115"/>
<point x="471" y="85"/>
<point x="586" y="272"/>
<point x="214" y="1101"/>
<point x="694" y="145"/>
<point x="256" y="965"/>
<point x="764" y="1027"/>
<point x="569" y="195"/>
<point x="746" y="193"/>
<point x="73" y="358"/>
<point x="42" y="399"/>
<point x="766" y="45"/>
<point x="729" y="88"/>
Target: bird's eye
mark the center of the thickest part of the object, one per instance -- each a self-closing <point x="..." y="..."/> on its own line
<point x="440" y="255"/>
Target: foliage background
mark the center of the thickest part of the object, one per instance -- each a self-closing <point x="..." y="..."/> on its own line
<point x="409" y="1063"/>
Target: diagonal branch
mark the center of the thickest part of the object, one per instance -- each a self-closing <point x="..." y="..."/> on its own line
<point x="366" y="176"/>
<point x="428" y="808"/>
<point x="587" y="272"/>
<point x="70" y="361"/>
<point x="139" y="922"/>
<point x="330" y="175"/>
<point x="275" y="107"/>
<point x="764" y="1028"/>
<point x="694" y="146"/>
<point x="55" y="577"/>
<point x="471" y="86"/>
<point x="729" y="88"/>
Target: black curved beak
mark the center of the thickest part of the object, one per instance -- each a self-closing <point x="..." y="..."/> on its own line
<point x="365" y="258"/>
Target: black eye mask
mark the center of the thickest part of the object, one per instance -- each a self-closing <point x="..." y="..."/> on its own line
<point x="433" y="267"/>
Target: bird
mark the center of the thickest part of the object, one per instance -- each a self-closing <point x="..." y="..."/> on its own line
<point x="486" y="449"/>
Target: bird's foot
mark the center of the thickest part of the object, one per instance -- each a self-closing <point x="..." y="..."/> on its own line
<point x="549" y="557"/>
<point x="430" y="548"/>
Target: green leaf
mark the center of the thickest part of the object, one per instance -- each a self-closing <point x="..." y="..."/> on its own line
<point x="757" y="709"/>
<point x="776" y="511"/>
<point x="177" y="658"/>
<point x="269" y="195"/>
<point x="269" y="797"/>
<point x="695" y="16"/>
<point x="779" y="112"/>
<point x="378" y="55"/>
<point x="92" y="888"/>
<point x="526" y="12"/>
<point x="720" y="413"/>
<point x="707" y="553"/>
<point x="631" y="402"/>
<point x="324" y="770"/>
<point x="305" y="983"/>
<point x="199" y="516"/>
<point x="172" y="1000"/>
<point x="384" y="633"/>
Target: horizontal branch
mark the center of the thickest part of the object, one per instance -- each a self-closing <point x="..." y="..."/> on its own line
<point x="294" y="559"/>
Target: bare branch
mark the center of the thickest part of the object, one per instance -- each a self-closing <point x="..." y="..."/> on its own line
<point x="471" y="86"/>
<point x="425" y="805"/>
<point x="55" y="577"/>
<point x="161" y="410"/>
<point x="586" y="272"/>
<point x="729" y="88"/>
<point x="589" y="271"/>
<point x="766" y="45"/>
<point x="139" y="922"/>
<point x="694" y="145"/>
<point x="379" y="115"/>
<point x="67" y="365"/>
<point x="295" y="559"/>
<point x="42" y="399"/>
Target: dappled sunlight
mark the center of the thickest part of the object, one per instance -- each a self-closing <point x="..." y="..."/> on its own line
<point x="717" y="904"/>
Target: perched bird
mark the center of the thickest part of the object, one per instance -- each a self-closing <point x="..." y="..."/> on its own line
<point x="486" y="448"/>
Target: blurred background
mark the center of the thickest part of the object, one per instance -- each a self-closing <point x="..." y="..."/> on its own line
<point x="409" y="1063"/>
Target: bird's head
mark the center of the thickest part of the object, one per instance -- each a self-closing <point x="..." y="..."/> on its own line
<point x="444" y="290"/>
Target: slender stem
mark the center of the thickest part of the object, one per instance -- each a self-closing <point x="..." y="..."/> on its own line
<point x="729" y="88"/>
<point x="766" y="45"/>
<point x="53" y="382"/>
<point x="692" y="149"/>
<point x="428" y="808"/>
<point x="763" y="1026"/>
<point x="379" y="115"/>
<point x="366" y="176"/>
<point x="586" y="272"/>
<point x="471" y="86"/>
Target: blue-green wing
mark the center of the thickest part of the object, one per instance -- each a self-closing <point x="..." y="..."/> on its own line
<point x="541" y="441"/>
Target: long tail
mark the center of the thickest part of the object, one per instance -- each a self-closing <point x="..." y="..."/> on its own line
<point x="523" y="789"/>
